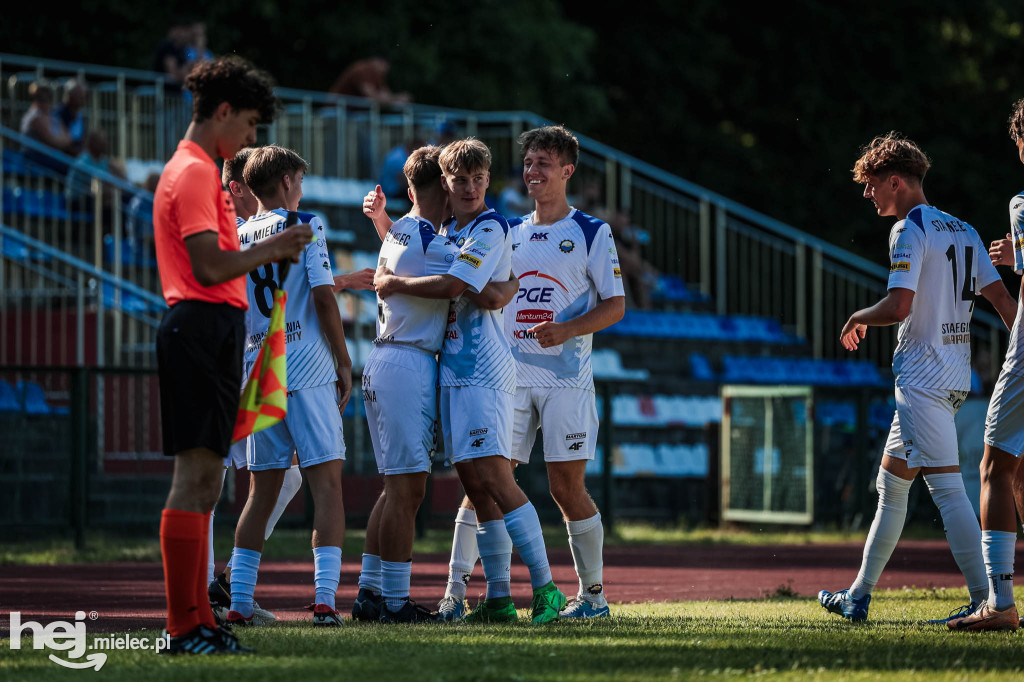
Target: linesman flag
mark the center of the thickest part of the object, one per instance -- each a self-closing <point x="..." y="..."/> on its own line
<point x="265" y="398"/>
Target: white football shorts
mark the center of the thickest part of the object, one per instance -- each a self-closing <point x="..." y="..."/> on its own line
<point x="476" y="422"/>
<point x="1004" y="423"/>
<point x="566" y="415"/>
<point x="400" y="396"/>
<point x="311" y="429"/>
<point x="238" y="454"/>
<point x="923" y="432"/>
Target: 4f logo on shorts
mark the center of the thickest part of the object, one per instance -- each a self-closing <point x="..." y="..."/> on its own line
<point x="577" y="445"/>
<point x="477" y="443"/>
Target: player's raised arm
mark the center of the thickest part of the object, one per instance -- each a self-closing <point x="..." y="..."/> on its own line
<point x="374" y="204"/>
<point x="212" y="265"/>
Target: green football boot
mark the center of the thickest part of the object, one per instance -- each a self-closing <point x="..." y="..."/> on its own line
<point x="497" y="610"/>
<point x="548" y="600"/>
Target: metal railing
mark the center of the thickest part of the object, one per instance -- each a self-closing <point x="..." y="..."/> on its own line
<point x="742" y="260"/>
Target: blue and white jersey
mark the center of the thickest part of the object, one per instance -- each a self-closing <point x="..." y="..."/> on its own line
<point x="564" y="270"/>
<point x="476" y="352"/>
<point x="310" y="362"/>
<point x="1014" y="363"/>
<point x="412" y="248"/>
<point x="945" y="262"/>
<point x="239" y="221"/>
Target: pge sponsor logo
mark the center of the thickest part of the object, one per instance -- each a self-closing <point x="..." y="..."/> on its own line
<point x="535" y="316"/>
<point x="536" y="294"/>
<point x="539" y="237"/>
<point x="472" y="260"/>
<point x="900" y="266"/>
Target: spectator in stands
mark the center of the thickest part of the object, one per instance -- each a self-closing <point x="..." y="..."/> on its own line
<point x="93" y="159"/>
<point x="70" y="114"/>
<point x="512" y="203"/>
<point x="639" y="275"/>
<point x="39" y="125"/>
<point x="171" y="56"/>
<point x="196" y="49"/>
<point x="369" y="78"/>
<point x="392" y="177"/>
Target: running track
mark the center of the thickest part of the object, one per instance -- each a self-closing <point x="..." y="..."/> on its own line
<point x="129" y="596"/>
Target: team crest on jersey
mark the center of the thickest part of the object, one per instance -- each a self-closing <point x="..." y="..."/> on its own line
<point x="472" y="260"/>
<point x="539" y="237"/>
<point x="567" y="246"/>
<point x="449" y="258"/>
<point x="460" y="241"/>
<point x="900" y="266"/>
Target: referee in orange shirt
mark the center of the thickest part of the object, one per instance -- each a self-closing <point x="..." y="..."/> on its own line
<point x="199" y="343"/>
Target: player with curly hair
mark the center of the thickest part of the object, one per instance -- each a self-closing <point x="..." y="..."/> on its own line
<point x="937" y="267"/>
<point x="199" y="342"/>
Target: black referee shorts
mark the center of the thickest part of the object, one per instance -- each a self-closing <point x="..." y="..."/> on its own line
<point x="199" y="356"/>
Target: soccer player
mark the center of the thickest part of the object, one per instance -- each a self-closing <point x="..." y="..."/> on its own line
<point x="199" y="342"/>
<point x="219" y="588"/>
<point x="478" y="385"/>
<point x="1004" y="442"/>
<point x="937" y="268"/>
<point x="399" y="391"/>
<point x="319" y="384"/>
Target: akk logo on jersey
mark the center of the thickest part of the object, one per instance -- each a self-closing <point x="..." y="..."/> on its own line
<point x="900" y="266"/>
<point x="567" y="246"/>
<point x="472" y="260"/>
<point x="539" y="237"/>
<point x="535" y="316"/>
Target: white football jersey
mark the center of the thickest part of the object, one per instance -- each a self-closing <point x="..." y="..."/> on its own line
<point x="412" y="248"/>
<point x="1014" y="363"/>
<point x="564" y="269"/>
<point x="476" y="352"/>
<point x="310" y="362"/>
<point x="944" y="260"/>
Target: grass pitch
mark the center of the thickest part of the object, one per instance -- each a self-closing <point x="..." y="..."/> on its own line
<point x="788" y="638"/>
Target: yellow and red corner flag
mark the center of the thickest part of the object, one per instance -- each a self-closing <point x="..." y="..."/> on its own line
<point x="265" y="398"/>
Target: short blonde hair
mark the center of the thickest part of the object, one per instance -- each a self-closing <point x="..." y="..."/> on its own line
<point x="891" y="154"/>
<point x="468" y="155"/>
<point x="267" y="165"/>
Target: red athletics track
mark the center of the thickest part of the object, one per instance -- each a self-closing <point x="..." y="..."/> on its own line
<point x="129" y="596"/>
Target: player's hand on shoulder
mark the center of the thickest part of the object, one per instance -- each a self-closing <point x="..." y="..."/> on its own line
<point x="851" y="334"/>
<point x="383" y="281"/>
<point x="290" y="243"/>
<point x="360" y="280"/>
<point x="1001" y="251"/>
<point x="374" y="203"/>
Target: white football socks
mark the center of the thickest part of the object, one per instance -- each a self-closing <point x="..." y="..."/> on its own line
<point x="396" y="577"/>
<point x="464" y="553"/>
<point x="998" y="547"/>
<point x="326" y="574"/>
<point x="962" y="530"/>
<point x="886" y="528"/>
<point x="586" y="540"/>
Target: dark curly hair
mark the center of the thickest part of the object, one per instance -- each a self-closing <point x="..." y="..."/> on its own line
<point x="556" y="139"/>
<point x="1017" y="120"/>
<point x="235" y="81"/>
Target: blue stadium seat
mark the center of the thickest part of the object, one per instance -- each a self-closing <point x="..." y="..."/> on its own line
<point x="9" y="401"/>
<point x="35" y="398"/>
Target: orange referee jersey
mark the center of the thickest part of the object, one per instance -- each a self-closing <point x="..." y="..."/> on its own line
<point x="190" y="199"/>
